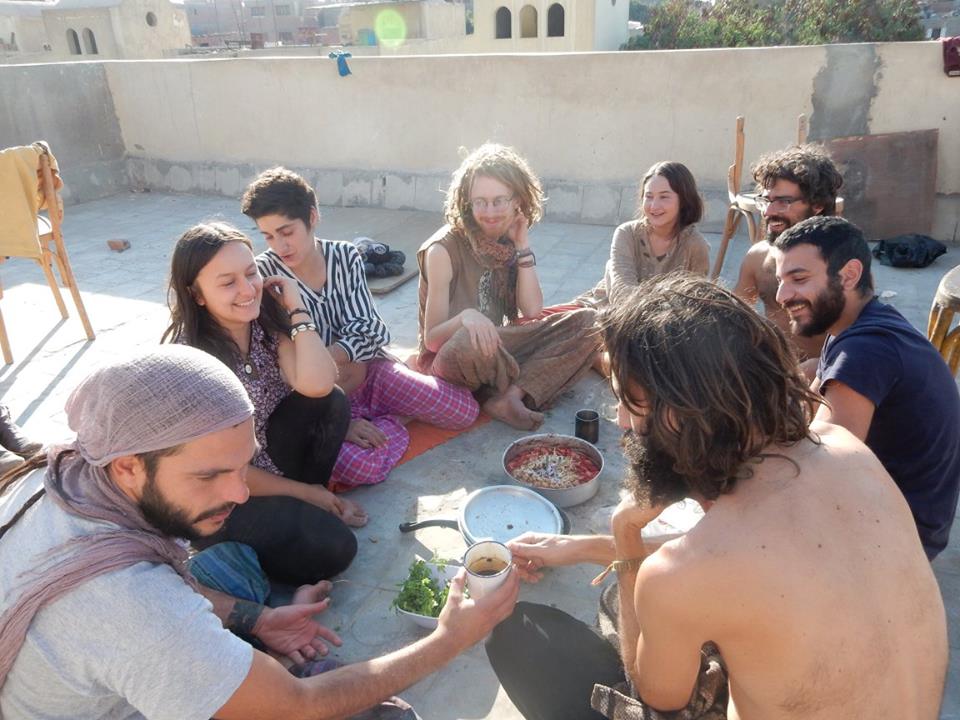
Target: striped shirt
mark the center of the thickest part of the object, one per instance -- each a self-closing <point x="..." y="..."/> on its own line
<point x="342" y="309"/>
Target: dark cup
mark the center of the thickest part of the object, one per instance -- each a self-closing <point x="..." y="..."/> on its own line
<point x="587" y="426"/>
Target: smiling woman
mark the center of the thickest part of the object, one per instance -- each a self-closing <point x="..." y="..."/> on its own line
<point x="661" y="240"/>
<point x="221" y="304"/>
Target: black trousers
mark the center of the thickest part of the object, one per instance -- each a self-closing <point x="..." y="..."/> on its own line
<point x="296" y="542"/>
<point x="548" y="662"/>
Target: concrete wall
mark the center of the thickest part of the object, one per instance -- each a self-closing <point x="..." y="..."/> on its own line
<point x="590" y="124"/>
<point x="70" y="106"/>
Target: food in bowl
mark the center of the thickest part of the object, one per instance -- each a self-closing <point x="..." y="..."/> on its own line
<point x="552" y="467"/>
<point x="424" y="592"/>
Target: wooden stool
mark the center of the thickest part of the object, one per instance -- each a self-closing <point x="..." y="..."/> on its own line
<point x="945" y="303"/>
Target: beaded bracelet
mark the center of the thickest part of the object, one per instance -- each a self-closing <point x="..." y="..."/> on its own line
<point x="297" y="310"/>
<point x="300" y="327"/>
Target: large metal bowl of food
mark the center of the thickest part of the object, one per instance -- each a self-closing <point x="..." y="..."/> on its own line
<point x="564" y="469"/>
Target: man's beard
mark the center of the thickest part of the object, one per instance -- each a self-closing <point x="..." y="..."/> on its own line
<point x="650" y="474"/>
<point x="825" y="310"/>
<point x="167" y="517"/>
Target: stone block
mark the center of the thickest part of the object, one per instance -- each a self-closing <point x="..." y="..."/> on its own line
<point x="563" y="202"/>
<point x="329" y="187"/>
<point x="227" y="180"/>
<point x="178" y="178"/>
<point x="628" y="203"/>
<point x="399" y="192"/>
<point x="357" y="190"/>
<point x="601" y="205"/>
<point x="205" y="177"/>
<point x="430" y="192"/>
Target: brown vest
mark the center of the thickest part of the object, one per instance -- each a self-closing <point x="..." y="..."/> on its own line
<point x="464" y="284"/>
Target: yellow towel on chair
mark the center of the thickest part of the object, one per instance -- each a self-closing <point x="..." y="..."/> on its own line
<point x="21" y="199"/>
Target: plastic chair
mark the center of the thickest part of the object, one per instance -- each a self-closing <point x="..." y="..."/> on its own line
<point x="25" y="233"/>
<point x="945" y="303"/>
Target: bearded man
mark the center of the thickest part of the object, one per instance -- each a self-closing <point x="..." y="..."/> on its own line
<point x="481" y="319"/>
<point x="792" y="185"/>
<point x="881" y="378"/>
<point x="803" y="592"/>
<point x="99" y="614"/>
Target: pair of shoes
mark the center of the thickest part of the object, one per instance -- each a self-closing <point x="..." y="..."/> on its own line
<point x="387" y="269"/>
<point x="13" y="438"/>
<point x="9" y="461"/>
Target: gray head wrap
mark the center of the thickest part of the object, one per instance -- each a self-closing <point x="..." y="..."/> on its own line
<point x="160" y="399"/>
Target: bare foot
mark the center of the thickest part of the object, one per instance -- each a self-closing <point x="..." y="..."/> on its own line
<point x="308" y="594"/>
<point x="508" y="407"/>
<point x="353" y="514"/>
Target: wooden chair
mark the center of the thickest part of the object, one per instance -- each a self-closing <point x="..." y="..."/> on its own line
<point x="945" y="303"/>
<point x="40" y="238"/>
<point x="742" y="205"/>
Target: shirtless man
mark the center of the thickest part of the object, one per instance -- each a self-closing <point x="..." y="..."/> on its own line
<point x="792" y="185"/>
<point x="805" y="573"/>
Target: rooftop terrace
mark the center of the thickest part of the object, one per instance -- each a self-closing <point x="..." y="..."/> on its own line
<point x="124" y="295"/>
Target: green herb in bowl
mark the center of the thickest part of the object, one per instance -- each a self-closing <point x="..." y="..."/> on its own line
<point x="425" y="590"/>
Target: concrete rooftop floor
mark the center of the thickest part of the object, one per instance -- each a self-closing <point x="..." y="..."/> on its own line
<point x="125" y="298"/>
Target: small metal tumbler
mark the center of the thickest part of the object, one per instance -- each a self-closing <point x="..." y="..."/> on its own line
<point x="587" y="426"/>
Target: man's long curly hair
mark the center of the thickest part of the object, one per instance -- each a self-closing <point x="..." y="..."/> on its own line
<point x="722" y="383"/>
<point x="810" y="167"/>
<point x="500" y="163"/>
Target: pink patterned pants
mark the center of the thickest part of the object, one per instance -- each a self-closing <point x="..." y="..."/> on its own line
<point x="393" y="390"/>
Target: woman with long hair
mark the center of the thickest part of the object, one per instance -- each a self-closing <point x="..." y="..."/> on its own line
<point x="220" y="304"/>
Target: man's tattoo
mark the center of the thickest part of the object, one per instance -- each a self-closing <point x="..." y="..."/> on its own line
<point x="243" y="617"/>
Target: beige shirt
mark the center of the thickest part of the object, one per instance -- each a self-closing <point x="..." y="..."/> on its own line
<point x="632" y="261"/>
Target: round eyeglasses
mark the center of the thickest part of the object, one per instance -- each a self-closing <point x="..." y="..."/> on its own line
<point x="498" y="203"/>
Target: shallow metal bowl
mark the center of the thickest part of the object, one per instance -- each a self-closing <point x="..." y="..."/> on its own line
<point x="561" y="497"/>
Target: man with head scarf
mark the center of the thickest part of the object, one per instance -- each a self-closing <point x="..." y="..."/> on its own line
<point x="99" y="617"/>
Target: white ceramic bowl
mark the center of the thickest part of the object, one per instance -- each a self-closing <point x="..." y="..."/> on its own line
<point x="561" y="497"/>
<point x="447" y="573"/>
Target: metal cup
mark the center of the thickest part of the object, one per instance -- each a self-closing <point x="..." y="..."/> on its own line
<point x="488" y="564"/>
<point x="587" y="426"/>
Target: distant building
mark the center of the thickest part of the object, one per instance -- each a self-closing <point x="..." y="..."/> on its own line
<point x="940" y="19"/>
<point x="436" y="26"/>
<point x="411" y="26"/>
<point x="94" y="29"/>
<point x="261" y="23"/>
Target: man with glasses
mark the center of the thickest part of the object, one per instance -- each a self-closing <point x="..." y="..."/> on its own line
<point x="792" y="185"/>
<point x="481" y="315"/>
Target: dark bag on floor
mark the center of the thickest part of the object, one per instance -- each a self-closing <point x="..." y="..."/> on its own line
<point x="910" y="251"/>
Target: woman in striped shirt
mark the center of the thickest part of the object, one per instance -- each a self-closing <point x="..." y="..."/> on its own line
<point x="383" y="394"/>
